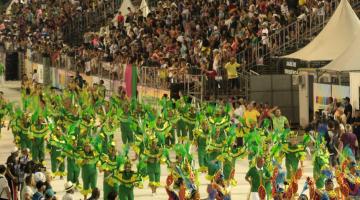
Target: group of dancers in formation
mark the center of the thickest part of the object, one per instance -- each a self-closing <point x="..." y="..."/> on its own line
<point x="78" y="125"/>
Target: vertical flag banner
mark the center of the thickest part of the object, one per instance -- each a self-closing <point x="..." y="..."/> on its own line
<point x="130" y="80"/>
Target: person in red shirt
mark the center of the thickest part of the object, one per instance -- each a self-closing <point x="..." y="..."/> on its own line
<point x="120" y="19"/>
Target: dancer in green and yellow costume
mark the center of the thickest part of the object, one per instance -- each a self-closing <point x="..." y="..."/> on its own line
<point x="4" y="108"/>
<point x="154" y="154"/>
<point x="182" y="108"/>
<point x="171" y="118"/>
<point x="164" y="127"/>
<point x="128" y="179"/>
<point x="71" y="151"/>
<point x="38" y="132"/>
<point x="20" y="128"/>
<point x="231" y="152"/>
<point x="320" y="162"/>
<point x="88" y="160"/>
<point x="214" y="148"/>
<point x="127" y="126"/>
<point x="201" y="132"/>
<point x="294" y="153"/>
<point x="109" y="162"/>
<point x="55" y="145"/>
<point x="189" y="118"/>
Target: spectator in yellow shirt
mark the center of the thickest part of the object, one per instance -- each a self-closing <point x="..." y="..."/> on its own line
<point x="251" y="116"/>
<point x="232" y="74"/>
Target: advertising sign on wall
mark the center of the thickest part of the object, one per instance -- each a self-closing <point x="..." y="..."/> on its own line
<point x="323" y="92"/>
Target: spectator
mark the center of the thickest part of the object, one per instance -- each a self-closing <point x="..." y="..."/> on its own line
<point x="356" y="124"/>
<point x="23" y="162"/>
<point x="239" y="110"/>
<point x="35" y="77"/>
<point x="11" y="173"/>
<point x="79" y="80"/>
<point x="280" y="122"/>
<point x="27" y="191"/>
<point x="40" y="188"/>
<point x="349" y="139"/>
<point x="332" y="142"/>
<point x="69" y="189"/>
<point x="265" y="113"/>
<point x="4" y="186"/>
<point x="101" y="89"/>
<point x="120" y="19"/>
<point x="330" y="108"/>
<point x="50" y="195"/>
<point x="251" y="116"/>
<point x="232" y="73"/>
<point x="348" y="109"/>
<point x="49" y="190"/>
<point x="340" y="116"/>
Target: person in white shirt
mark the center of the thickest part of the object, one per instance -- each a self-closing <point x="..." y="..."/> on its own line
<point x="27" y="191"/>
<point x="35" y="77"/>
<point x="69" y="189"/>
<point x="239" y="111"/>
<point x="4" y="186"/>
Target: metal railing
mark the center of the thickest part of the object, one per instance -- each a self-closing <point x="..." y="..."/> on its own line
<point x="294" y="35"/>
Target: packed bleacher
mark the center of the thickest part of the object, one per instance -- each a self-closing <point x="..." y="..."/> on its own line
<point x="178" y="37"/>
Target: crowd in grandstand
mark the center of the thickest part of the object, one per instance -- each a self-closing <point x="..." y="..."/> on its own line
<point x="181" y="37"/>
<point x="77" y="125"/>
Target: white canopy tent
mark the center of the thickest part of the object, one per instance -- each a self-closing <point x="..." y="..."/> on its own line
<point x="337" y="35"/>
<point x="348" y="61"/>
<point x="124" y="9"/>
<point x="144" y="8"/>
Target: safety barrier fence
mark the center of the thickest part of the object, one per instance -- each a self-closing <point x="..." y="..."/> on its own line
<point x="61" y="68"/>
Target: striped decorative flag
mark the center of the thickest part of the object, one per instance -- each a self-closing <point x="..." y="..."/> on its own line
<point x="131" y="80"/>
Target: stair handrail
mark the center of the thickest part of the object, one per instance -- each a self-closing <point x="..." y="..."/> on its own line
<point x="250" y="54"/>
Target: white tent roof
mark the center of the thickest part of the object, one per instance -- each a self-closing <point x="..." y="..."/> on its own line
<point x="123" y="8"/>
<point x="144" y="8"/>
<point x="349" y="60"/>
<point x="126" y="4"/>
<point x="338" y="34"/>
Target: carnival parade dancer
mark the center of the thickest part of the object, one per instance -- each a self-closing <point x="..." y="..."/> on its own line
<point x="88" y="160"/>
<point x="294" y="153"/>
<point x="37" y="133"/>
<point x="108" y="163"/>
<point x="231" y="152"/>
<point x="79" y="125"/>
<point x="71" y="151"/>
<point x="127" y="134"/>
<point x="201" y="132"/>
<point x="128" y="179"/>
<point x="154" y="154"/>
<point x="20" y="127"/>
<point x="55" y="144"/>
<point x="214" y="149"/>
<point x="259" y="178"/>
